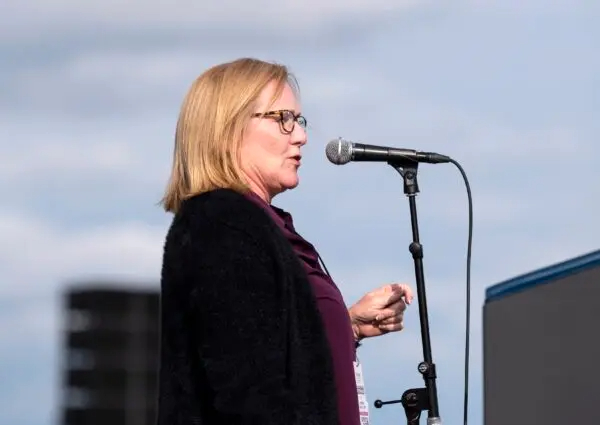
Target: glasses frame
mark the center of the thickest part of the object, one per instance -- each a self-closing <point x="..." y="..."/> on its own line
<point x="297" y="118"/>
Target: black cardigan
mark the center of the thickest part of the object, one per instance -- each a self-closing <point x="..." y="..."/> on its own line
<point x="242" y="341"/>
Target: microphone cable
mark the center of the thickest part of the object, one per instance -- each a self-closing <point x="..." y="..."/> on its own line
<point x="468" y="291"/>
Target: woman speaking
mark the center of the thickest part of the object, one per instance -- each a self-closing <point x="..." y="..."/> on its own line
<point x="253" y="328"/>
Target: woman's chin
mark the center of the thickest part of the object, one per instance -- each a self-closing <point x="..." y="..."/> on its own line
<point x="290" y="182"/>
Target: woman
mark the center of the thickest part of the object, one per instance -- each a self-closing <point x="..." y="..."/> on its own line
<point x="254" y="331"/>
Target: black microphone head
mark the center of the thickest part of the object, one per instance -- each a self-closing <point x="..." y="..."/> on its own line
<point x="339" y="151"/>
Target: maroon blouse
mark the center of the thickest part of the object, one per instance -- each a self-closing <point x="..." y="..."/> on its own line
<point x="333" y="311"/>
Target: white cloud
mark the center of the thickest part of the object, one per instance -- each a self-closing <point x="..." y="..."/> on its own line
<point x="139" y="87"/>
<point x="538" y="7"/>
<point x="36" y="321"/>
<point x="38" y="257"/>
<point x="69" y="159"/>
<point x="56" y="16"/>
<point x="136" y="96"/>
<point x="28" y="18"/>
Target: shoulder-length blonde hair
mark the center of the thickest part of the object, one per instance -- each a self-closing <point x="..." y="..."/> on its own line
<point x="211" y="124"/>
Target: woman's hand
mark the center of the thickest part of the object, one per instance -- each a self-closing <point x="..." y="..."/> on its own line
<point x="380" y="311"/>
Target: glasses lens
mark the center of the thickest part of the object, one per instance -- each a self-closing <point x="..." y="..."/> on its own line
<point x="302" y="121"/>
<point x="287" y="121"/>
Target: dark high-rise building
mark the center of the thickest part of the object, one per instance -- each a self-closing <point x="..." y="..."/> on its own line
<point x="541" y="350"/>
<point x="111" y="349"/>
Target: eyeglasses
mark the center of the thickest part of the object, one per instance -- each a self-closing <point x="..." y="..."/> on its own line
<point x="286" y="118"/>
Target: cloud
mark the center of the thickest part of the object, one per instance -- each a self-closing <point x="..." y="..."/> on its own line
<point x="67" y="158"/>
<point x="107" y="82"/>
<point x="40" y="257"/>
<point x="57" y="16"/>
<point x="537" y="7"/>
<point x="65" y="98"/>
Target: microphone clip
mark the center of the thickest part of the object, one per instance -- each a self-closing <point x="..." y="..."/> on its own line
<point x="408" y="170"/>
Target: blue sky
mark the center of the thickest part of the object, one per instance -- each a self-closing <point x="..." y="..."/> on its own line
<point x="89" y="98"/>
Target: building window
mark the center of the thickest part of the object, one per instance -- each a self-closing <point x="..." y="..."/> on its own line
<point x="77" y="398"/>
<point x="78" y="320"/>
<point x="80" y="359"/>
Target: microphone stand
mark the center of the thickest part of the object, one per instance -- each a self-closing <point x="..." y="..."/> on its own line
<point x="417" y="400"/>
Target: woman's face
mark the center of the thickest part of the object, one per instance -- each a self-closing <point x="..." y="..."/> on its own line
<point x="270" y="151"/>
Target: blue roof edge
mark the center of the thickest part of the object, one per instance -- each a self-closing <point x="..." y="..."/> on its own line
<point x="543" y="275"/>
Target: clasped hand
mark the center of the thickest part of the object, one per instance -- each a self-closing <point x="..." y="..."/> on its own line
<point x="380" y="311"/>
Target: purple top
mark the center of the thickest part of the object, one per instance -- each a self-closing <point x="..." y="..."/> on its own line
<point x="333" y="312"/>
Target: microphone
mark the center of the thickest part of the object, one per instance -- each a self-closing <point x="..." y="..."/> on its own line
<point x="340" y="151"/>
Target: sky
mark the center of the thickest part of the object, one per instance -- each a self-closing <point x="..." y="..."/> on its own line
<point x="89" y="96"/>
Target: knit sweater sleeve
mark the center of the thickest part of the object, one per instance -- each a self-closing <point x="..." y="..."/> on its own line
<point x="238" y="309"/>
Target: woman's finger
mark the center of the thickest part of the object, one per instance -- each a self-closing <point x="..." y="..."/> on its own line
<point x="393" y="327"/>
<point x="391" y="320"/>
<point x="401" y="290"/>
<point x="394" y="309"/>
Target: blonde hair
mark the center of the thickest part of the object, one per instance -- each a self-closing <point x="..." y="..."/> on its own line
<point x="211" y="124"/>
